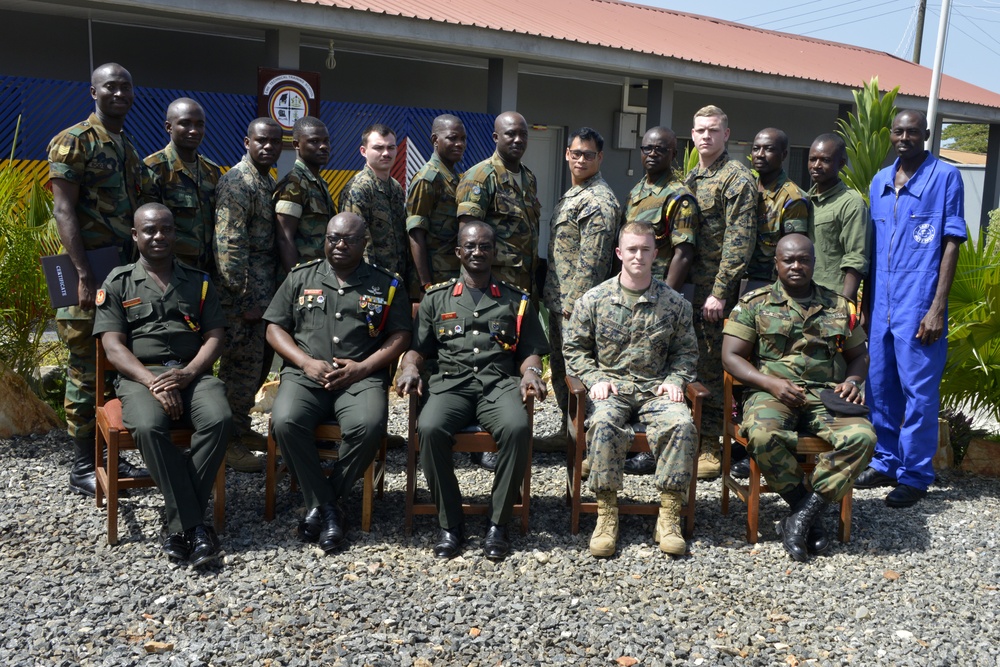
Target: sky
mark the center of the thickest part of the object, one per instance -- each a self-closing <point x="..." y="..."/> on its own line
<point x="972" y="51"/>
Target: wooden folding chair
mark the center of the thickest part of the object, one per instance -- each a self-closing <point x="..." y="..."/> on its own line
<point x="576" y="451"/>
<point x="808" y="449"/>
<point x="112" y="437"/>
<point x="470" y="439"/>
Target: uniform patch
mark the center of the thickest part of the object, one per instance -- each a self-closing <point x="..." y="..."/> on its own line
<point x="63" y="150"/>
<point x="458" y="328"/>
<point x="476" y="190"/>
<point x="128" y="304"/>
<point x="449" y="316"/>
<point x="302" y="300"/>
<point x="924" y="233"/>
<point x="320" y="299"/>
<point x="100" y="297"/>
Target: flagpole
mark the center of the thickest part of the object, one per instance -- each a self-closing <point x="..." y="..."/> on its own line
<point x="932" y="102"/>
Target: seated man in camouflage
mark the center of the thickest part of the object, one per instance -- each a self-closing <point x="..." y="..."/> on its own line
<point x="793" y="330"/>
<point x="631" y="341"/>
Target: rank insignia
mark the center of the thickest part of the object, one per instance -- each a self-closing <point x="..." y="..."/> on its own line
<point x="131" y="302"/>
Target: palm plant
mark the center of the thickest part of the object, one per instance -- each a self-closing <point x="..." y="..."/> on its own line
<point x="972" y="374"/>
<point x="867" y="135"/>
<point x="26" y="233"/>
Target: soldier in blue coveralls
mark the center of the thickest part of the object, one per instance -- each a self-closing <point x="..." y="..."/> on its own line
<point x="918" y="216"/>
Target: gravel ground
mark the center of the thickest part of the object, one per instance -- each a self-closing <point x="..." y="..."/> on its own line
<point x="914" y="587"/>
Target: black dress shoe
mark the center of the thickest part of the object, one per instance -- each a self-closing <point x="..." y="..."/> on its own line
<point x="311" y="526"/>
<point x="488" y="461"/>
<point x="450" y="544"/>
<point x="204" y="548"/>
<point x="872" y="479"/>
<point x="740" y="469"/>
<point x="496" y="546"/>
<point x="176" y="546"/>
<point x="331" y="537"/>
<point x="126" y="469"/>
<point x="905" y="495"/>
<point x="642" y="463"/>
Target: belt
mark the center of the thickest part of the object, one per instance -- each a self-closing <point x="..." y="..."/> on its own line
<point x="169" y="363"/>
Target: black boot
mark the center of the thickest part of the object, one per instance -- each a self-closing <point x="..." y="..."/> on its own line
<point x="126" y="469"/>
<point x="818" y="540"/>
<point x="81" y="475"/>
<point x="794" y="528"/>
<point x="332" y="534"/>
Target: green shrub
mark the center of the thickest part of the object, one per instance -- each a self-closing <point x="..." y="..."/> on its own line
<point x="867" y="136"/>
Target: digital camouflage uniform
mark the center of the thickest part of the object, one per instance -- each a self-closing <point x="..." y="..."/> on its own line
<point x="782" y="208"/>
<point x="727" y="200"/>
<point x="246" y="262"/>
<point x="581" y="249"/>
<point x="478" y="380"/>
<point x="841" y="230"/>
<point x="509" y="204"/>
<point x="672" y="209"/>
<point x="113" y="183"/>
<point x="382" y="204"/>
<point x="302" y="195"/>
<point x="431" y="206"/>
<point x="190" y="197"/>
<point x="798" y="341"/>
<point x="164" y="329"/>
<point x="637" y="348"/>
<point x="330" y="320"/>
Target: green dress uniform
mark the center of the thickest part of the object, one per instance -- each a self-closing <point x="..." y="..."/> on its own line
<point x="637" y="342"/>
<point x="330" y="320"/>
<point x="382" y="205"/>
<point x="113" y="183"/>
<point x="245" y="262"/>
<point x="163" y="330"/>
<point x="479" y="345"/>
<point x="727" y="199"/>
<point x="782" y="208"/>
<point x="189" y="192"/>
<point x="431" y="206"/>
<point x="302" y="195"/>
<point x="581" y="249"/>
<point x="841" y="229"/>
<point x="798" y="340"/>
<point x="509" y="204"/>
<point x="671" y="208"/>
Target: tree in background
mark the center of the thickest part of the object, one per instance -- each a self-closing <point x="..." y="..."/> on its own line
<point x="867" y="135"/>
<point x="966" y="137"/>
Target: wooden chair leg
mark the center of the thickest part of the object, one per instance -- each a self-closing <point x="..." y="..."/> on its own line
<point x="270" y="474"/>
<point x="111" y="471"/>
<point x="753" y="503"/>
<point x="411" y="484"/>
<point x="526" y="491"/>
<point x="367" y="497"/>
<point x="98" y="456"/>
<point x="846" y="507"/>
<point x="219" y="518"/>
<point x="727" y="462"/>
<point x="381" y="470"/>
<point x="692" y="495"/>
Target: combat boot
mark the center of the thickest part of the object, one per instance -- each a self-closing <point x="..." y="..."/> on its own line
<point x="817" y="540"/>
<point x="81" y="476"/>
<point x="709" y="463"/>
<point x="668" y="525"/>
<point x="254" y="441"/>
<point x="794" y="528"/>
<point x="241" y="459"/>
<point x="605" y="538"/>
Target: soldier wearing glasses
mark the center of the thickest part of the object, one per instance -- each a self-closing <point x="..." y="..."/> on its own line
<point x="338" y="323"/>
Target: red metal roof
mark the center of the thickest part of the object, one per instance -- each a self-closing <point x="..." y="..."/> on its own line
<point x="688" y="37"/>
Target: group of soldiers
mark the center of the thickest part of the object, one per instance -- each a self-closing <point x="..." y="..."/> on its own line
<point x="233" y="267"/>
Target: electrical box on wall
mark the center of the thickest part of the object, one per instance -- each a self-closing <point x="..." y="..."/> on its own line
<point x="627" y="130"/>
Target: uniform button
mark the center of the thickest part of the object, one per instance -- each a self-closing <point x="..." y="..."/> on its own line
<point x="338" y="316"/>
<point x="475" y="369"/>
<point x="475" y="332"/>
<point x="340" y="291"/>
<point x="336" y="339"/>
<point x="475" y="350"/>
<point x="475" y="314"/>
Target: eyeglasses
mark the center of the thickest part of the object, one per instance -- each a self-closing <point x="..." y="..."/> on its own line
<point x="482" y="247"/>
<point x="589" y="156"/>
<point x="650" y="149"/>
<point x="349" y="239"/>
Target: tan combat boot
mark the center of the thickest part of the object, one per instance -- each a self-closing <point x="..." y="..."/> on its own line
<point x="709" y="461"/>
<point x="605" y="538"/>
<point x="585" y="469"/>
<point x="254" y="441"/>
<point x="241" y="459"/>
<point x="668" y="525"/>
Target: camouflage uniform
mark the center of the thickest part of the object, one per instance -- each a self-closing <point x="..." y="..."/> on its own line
<point x="841" y="229"/>
<point x="581" y="249"/>
<point x="302" y="195"/>
<point x="431" y="206"/>
<point x="782" y="208"/>
<point x="637" y="347"/>
<point x="246" y="262"/>
<point x="672" y="209"/>
<point x="798" y="341"/>
<point x="727" y="199"/>
<point x="382" y="204"/>
<point x="509" y="204"/>
<point x="113" y="183"/>
<point x="191" y="198"/>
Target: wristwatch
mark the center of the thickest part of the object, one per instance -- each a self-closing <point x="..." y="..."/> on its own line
<point x="538" y="371"/>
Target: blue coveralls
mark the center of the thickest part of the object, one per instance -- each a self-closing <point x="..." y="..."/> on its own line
<point x="904" y="375"/>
